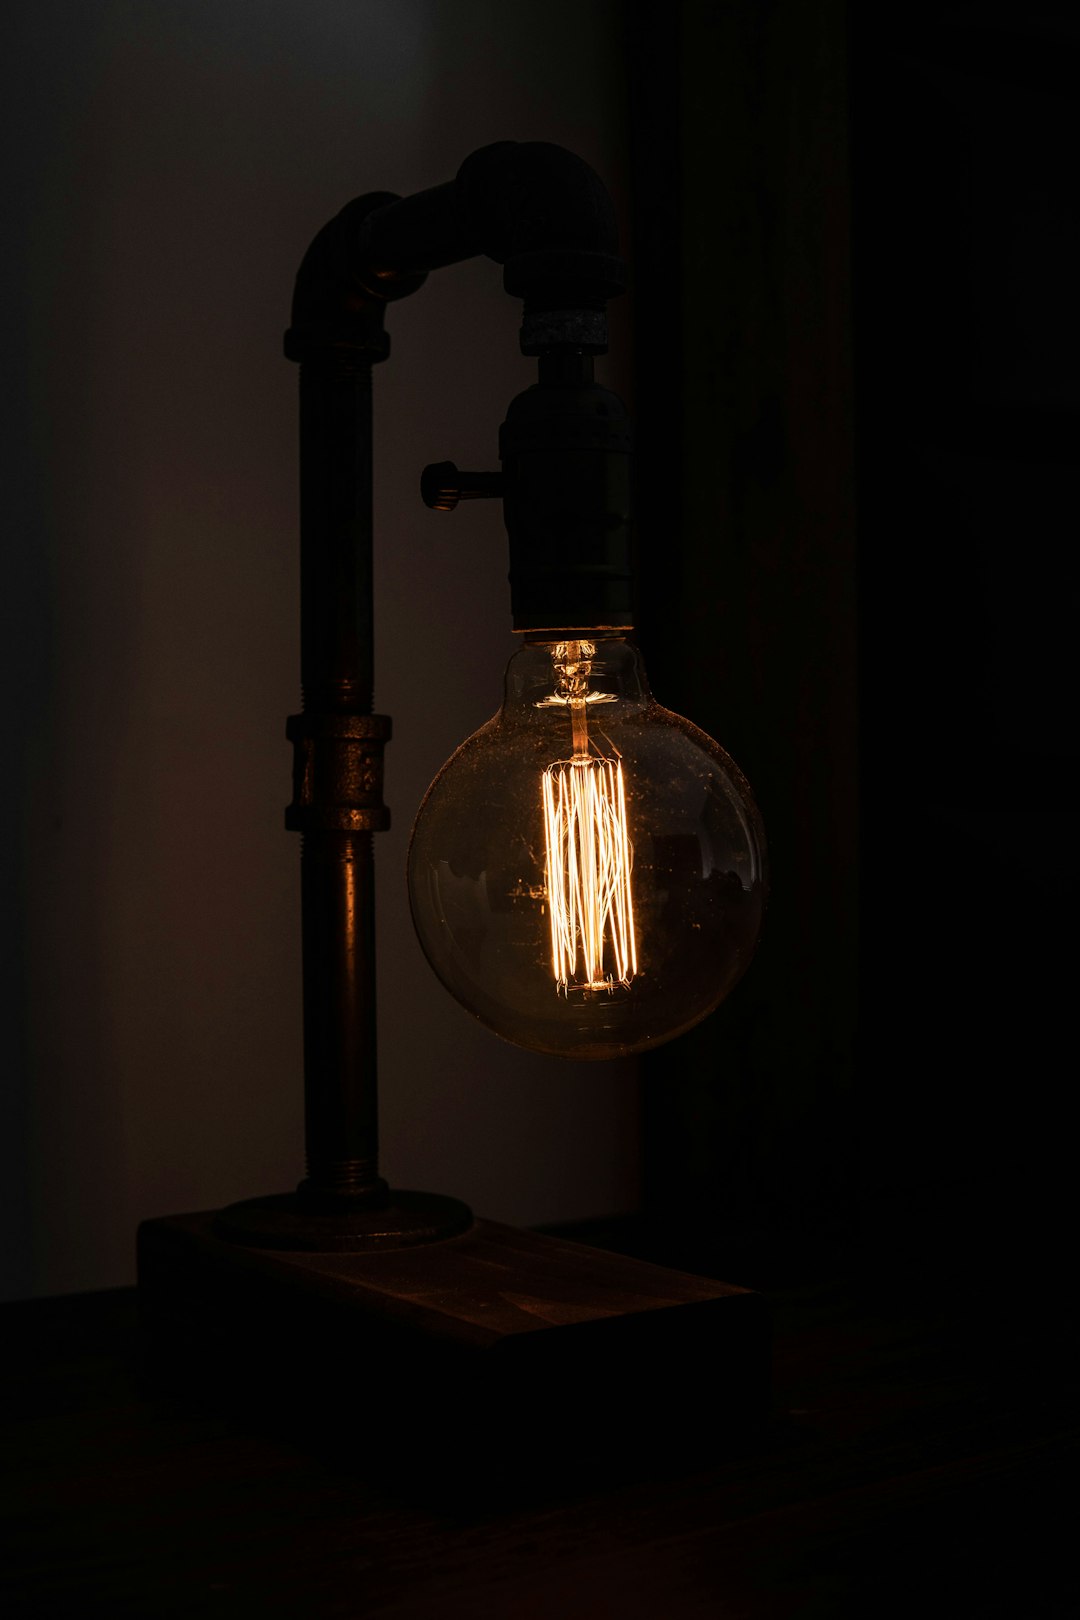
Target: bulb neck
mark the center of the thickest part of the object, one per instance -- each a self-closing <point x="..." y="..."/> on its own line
<point x="565" y="668"/>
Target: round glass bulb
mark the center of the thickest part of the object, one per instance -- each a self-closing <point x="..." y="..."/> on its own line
<point x="587" y="872"/>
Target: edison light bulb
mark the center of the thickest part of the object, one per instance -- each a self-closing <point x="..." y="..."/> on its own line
<point x="587" y="872"/>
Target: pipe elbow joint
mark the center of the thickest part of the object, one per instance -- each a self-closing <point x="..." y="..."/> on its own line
<point x="546" y="216"/>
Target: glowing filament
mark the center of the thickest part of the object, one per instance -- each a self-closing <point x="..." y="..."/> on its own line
<point x="588" y="874"/>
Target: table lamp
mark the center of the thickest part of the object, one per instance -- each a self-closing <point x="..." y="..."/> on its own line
<point x="586" y="874"/>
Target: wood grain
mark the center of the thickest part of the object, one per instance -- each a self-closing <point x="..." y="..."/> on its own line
<point x="918" y="1460"/>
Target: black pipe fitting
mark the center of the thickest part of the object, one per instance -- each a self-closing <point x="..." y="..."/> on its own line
<point x="340" y="298"/>
<point x="547" y="218"/>
<point x="536" y="209"/>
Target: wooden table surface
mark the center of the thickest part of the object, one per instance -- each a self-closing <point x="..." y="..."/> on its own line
<point x="920" y="1461"/>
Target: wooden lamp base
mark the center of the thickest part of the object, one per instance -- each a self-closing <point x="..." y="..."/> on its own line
<point x="498" y="1348"/>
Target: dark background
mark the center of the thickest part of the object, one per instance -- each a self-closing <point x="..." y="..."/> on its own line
<point x="860" y="382"/>
<point x="853" y="230"/>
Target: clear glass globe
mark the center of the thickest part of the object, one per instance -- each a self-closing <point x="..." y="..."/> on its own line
<point x="587" y="873"/>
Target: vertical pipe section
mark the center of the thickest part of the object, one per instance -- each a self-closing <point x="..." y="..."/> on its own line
<point x="336" y="627"/>
<point x="337" y="880"/>
<point x="337" y="801"/>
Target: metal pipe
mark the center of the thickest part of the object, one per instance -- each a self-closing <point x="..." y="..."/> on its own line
<point x="544" y="214"/>
<point x="336" y="608"/>
<point x="337" y="801"/>
<point x="337" y="877"/>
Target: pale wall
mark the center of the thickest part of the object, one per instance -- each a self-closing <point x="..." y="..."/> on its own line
<point x="171" y="162"/>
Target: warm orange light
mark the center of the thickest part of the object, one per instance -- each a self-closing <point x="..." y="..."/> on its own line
<point x="587" y="876"/>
